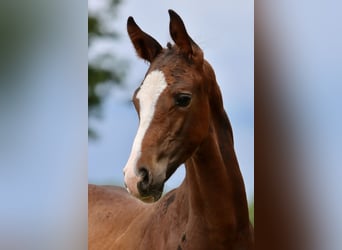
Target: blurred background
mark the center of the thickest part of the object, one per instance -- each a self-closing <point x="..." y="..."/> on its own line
<point x="43" y="125"/>
<point x="223" y="29"/>
<point x="298" y="139"/>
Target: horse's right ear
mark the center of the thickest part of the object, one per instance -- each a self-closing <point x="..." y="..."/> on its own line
<point x="145" y="45"/>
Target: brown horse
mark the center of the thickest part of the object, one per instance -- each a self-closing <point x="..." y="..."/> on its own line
<point x="182" y="120"/>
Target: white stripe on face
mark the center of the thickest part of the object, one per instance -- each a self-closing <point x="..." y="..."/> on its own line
<point x="148" y="95"/>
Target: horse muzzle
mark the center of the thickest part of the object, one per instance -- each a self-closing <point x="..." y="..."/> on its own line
<point x="144" y="186"/>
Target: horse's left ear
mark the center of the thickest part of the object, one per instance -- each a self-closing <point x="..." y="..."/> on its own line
<point x="180" y="36"/>
<point x="145" y="45"/>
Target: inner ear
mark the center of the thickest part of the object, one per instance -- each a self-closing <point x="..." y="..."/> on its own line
<point x="179" y="34"/>
<point x="146" y="46"/>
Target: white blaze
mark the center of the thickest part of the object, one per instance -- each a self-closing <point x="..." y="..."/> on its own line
<point x="148" y="95"/>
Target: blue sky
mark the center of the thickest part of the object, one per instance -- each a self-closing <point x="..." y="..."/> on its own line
<point x="225" y="31"/>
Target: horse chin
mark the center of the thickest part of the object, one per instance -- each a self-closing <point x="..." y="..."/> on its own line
<point x="154" y="194"/>
<point x="148" y="199"/>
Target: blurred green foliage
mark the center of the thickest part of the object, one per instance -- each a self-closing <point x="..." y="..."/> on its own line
<point x="104" y="69"/>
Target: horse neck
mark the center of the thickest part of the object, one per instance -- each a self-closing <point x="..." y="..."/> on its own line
<point x="213" y="181"/>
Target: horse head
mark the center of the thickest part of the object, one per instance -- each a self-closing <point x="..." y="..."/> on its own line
<point x="173" y="107"/>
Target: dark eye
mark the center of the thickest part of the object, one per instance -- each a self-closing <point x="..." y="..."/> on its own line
<point x="183" y="100"/>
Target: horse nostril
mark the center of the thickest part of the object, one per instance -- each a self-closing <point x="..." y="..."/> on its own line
<point x="144" y="184"/>
<point x="143" y="172"/>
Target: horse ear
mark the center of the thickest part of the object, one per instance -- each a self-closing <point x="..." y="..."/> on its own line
<point x="180" y="35"/>
<point x="145" y="45"/>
